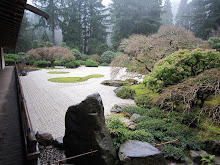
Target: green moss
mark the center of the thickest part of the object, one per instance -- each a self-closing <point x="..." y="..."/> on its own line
<point x="209" y="132"/>
<point x="212" y="101"/>
<point x="141" y="90"/>
<point x="73" y="79"/>
<point x="56" y="72"/>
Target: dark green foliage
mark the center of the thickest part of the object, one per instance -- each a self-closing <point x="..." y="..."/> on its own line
<point x="72" y="64"/>
<point x="215" y="42"/>
<point x="104" y="64"/>
<point x="9" y="62"/>
<point x="117" y="130"/>
<point x="126" y="93"/>
<point x="180" y="65"/>
<point x="167" y="15"/>
<point x="170" y="151"/>
<point x="141" y="135"/>
<point x="77" y="54"/>
<point x="91" y="63"/>
<point x="134" y="109"/>
<point x="141" y="16"/>
<point x="107" y="56"/>
<point x="143" y="101"/>
<point x="181" y="17"/>
<point x="15" y="57"/>
<point x="42" y="64"/>
<point x="58" y="63"/>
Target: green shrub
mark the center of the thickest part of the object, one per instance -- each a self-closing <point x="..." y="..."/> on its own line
<point x="96" y="58"/>
<point x="58" y="63"/>
<point x="180" y="65"/>
<point x="81" y="62"/>
<point x="107" y="56"/>
<point x="215" y="42"/>
<point x="15" y="57"/>
<point x="91" y="63"/>
<point x="72" y="64"/>
<point x="104" y="64"/>
<point x="9" y="62"/>
<point x="143" y="101"/>
<point x="125" y="93"/>
<point x="117" y="130"/>
<point x="77" y="54"/>
<point x="141" y="135"/>
<point x="42" y="64"/>
<point x="134" y="109"/>
<point x="170" y="151"/>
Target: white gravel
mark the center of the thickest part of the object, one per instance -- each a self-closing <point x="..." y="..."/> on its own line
<point x="48" y="101"/>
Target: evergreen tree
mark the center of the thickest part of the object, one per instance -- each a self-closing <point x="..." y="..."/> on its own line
<point x="205" y="17"/>
<point x="134" y="17"/>
<point x="182" y="14"/>
<point x="83" y="25"/>
<point x="51" y="7"/>
<point x="167" y="15"/>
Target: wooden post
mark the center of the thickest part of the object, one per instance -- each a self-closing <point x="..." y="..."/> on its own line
<point x="2" y="61"/>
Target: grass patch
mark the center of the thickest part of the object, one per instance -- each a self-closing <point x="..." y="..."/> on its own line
<point x="56" y="72"/>
<point x="74" y="79"/>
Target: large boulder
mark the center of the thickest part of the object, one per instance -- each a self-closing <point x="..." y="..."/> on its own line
<point x="135" y="152"/>
<point x="44" y="139"/>
<point x="86" y="131"/>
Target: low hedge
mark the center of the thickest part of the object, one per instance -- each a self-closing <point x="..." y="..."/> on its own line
<point x="42" y="64"/>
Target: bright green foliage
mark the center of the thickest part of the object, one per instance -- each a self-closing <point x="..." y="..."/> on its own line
<point x="215" y="42"/>
<point x="141" y="135"/>
<point x="42" y="64"/>
<point x="180" y="65"/>
<point x="107" y="56"/>
<point x="73" y="79"/>
<point x="125" y="93"/>
<point x="72" y="64"/>
<point x="170" y="151"/>
<point x="104" y="64"/>
<point x="9" y="62"/>
<point x="117" y="130"/>
<point x="91" y="63"/>
<point x="81" y="62"/>
<point x="134" y="17"/>
<point x="56" y="72"/>
<point x="58" y="63"/>
<point x="208" y="160"/>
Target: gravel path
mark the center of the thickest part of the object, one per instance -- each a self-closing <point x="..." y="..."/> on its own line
<point x="48" y="101"/>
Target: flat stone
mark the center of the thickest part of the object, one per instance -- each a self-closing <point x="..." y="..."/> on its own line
<point x="197" y="155"/>
<point x="217" y="160"/>
<point x="118" y="89"/>
<point x="135" y="152"/>
<point x="116" y="109"/>
<point x="134" y="116"/>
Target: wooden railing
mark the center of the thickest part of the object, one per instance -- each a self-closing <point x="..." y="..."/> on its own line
<point x="30" y="142"/>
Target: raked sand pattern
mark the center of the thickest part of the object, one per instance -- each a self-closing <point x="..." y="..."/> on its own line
<point x="48" y="101"/>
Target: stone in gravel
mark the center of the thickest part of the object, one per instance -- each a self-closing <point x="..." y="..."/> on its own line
<point x="58" y="142"/>
<point x="134" y="116"/>
<point x="118" y="89"/>
<point x="134" y="152"/>
<point x="116" y="109"/>
<point x="197" y="155"/>
<point x="216" y="160"/>
<point x="115" y="83"/>
<point x="130" y="125"/>
<point x="44" y="138"/>
<point x="86" y="131"/>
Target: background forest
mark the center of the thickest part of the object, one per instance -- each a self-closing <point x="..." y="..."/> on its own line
<point x="178" y="55"/>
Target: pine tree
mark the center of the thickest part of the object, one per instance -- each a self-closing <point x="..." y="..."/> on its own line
<point x="51" y="7"/>
<point x="134" y="17"/>
<point x="167" y="15"/>
<point x="205" y="17"/>
<point x="182" y="14"/>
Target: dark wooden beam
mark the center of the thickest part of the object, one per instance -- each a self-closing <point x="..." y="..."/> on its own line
<point x="37" y="11"/>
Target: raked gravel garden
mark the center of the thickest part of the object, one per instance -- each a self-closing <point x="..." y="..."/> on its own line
<point x="48" y="101"/>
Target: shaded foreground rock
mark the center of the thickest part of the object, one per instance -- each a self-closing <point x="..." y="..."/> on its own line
<point x="58" y="142"/>
<point x="44" y="139"/>
<point x="135" y="152"/>
<point x="86" y="131"/>
<point x="197" y="155"/>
